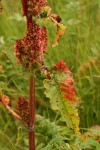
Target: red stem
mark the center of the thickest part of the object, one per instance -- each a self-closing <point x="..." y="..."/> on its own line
<point x="32" y="89"/>
<point x="24" y="7"/>
<point x="32" y="114"/>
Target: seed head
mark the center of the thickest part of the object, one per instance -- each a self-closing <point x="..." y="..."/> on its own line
<point x="23" y="109"/>
<point x="30" y="50"/>
<point x="35" y="7"/>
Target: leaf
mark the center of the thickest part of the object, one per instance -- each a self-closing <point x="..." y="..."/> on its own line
<point x="59" y="101"/>
<point x="51" y="133"/>
<point x="90" y="144"/>
<point x="60" y="32"/>
<point x="60" y="28"/>
<point x="57" y="143"/>
<point x="56" y="20"/>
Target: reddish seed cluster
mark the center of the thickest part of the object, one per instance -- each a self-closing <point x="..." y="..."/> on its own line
<point x="30" y="50"/>
<point x="35" y="7"/>
<point x="23" y="110"/>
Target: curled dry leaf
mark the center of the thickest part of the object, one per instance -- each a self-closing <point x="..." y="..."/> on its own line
<point x="56" y="20"/>
<point x="60" y="32"/>
<point x="60" y="28"/>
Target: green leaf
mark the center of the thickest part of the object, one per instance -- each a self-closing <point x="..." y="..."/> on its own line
<point x="58" y="102"/>
<point x="90" y="143"/>
<point x="60" y="99"/>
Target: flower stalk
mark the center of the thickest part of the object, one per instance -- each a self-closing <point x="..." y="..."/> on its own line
<point x="32" y="88"/>
<point x="32" y="114"/>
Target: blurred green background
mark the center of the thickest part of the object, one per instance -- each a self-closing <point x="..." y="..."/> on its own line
<point x="79" y="47"/>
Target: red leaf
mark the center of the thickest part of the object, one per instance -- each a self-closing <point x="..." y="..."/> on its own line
<point x="66" y="84"/>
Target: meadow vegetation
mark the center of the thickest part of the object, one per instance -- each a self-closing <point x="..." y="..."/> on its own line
<point x="80" y="48"/>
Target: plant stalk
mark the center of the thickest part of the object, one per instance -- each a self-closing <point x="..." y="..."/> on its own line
<point x="32" y="88"/>
<point x="32" y="114"/>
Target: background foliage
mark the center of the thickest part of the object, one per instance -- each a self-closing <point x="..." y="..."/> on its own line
<point x="79" y="47"/>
